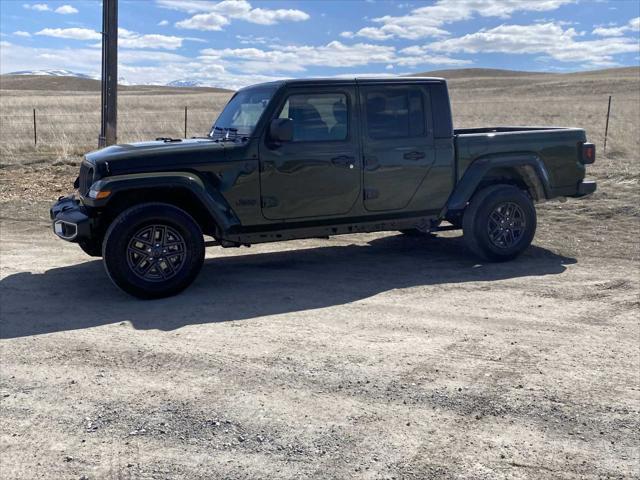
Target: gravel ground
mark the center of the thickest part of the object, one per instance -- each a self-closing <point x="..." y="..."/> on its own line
<point x="364" y="356"/>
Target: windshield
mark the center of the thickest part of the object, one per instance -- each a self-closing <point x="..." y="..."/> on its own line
<point x="242" y="113"/>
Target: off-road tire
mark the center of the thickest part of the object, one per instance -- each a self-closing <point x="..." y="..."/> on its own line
<point x="479" y="223"/>
<point x="121" y="255"/>
<point x="91" y="248"/>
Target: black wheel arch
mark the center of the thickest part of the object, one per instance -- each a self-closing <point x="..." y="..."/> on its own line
<point x="186" y="191"/>
<point x="180" y="197"/>
<point x="525" y="171"/>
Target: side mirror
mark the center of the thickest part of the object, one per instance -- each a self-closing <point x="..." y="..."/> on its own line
<point x="281" y="129"/>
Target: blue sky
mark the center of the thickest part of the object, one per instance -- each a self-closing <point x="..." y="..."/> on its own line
<point x="232" y="43"/>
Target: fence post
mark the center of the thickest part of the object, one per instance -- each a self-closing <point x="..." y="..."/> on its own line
<point x="185" y="122"/>
<point x="606" y="128"/>
<point x="35" y="128"/>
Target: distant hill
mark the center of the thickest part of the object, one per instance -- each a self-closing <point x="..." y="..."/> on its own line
<point x="65" y="80"/>
<point x="474" y="73"/>
<point x="463" y="73"/>
<point x="49" y="81"/>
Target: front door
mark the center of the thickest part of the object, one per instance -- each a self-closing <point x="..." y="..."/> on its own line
<point x="398" y="144"/>
<point x="318" y="173"/>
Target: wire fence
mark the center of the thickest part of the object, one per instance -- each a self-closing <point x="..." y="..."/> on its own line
<point x="34" y="130"/>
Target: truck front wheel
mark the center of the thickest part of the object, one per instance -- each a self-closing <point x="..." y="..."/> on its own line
<point x="153" y="250"/>
<point x="499" y="223"/>
<point x="91" y="248"/>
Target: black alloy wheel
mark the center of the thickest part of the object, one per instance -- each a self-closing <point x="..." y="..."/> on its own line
<point x="153" y="250"/>
<point x="156" y="253"/>
<point x="499" y="223"/>
<point x="506" y="224"/>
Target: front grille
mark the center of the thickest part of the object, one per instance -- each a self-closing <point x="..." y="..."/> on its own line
<point x="86" y="178"/>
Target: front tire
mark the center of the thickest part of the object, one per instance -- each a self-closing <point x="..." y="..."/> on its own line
<point x="91" y="247"/>
<point x="153" y="250"/>
<point x="499" y="223"/>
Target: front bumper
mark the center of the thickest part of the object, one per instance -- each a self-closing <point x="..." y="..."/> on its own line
<point x="70" y="220"/>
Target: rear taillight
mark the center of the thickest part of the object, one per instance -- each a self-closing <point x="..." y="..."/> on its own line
<point x="588" y="153"/>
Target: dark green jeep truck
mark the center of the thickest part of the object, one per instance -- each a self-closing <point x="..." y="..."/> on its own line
<point x="314" y="158"/>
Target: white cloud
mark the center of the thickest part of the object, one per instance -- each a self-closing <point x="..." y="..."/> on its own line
<point x="163" y="23"/>
<point x="254" y="40"/>
<point x="71" y="33"/>
<point x="188" y="6"/>
<point x="66" y="10"/>
<point x="129" y="39"/>
<point x="20" y="33"/>
<point x="290" y="58"/>
<point x="263" y="16"/>
<point x="215" y="15"/>
<point x="126" y="38"/>
<point x="39" y="7"/>
<point x="428" y="21"/>
<point x="547" y="39"/>
<point x="610" y="31"/>
<point x="4" y="43"/>
<point x="204" y="21"/>
<point x="614" y="31"/>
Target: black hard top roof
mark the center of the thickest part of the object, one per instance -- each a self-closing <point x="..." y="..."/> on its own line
<point x="350" y="81"/>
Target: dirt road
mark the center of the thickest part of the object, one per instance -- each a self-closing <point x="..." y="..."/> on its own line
<point x="364" y="356"/>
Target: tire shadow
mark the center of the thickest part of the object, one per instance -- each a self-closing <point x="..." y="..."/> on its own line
<point x="241" y="287"/>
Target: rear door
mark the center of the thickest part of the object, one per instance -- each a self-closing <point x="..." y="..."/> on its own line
<point x="318" y="174"/>
<point x="398" y="145"/>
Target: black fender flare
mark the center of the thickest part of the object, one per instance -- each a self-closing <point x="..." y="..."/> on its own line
<point x="212" y="200"/>
<point x="530" y="167"/>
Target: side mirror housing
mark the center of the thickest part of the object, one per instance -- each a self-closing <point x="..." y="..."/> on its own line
<point x="281" y="129"/>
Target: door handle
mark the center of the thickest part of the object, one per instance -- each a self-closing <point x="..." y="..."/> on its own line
<point x="343" y="161"/>
<point x="414" y="156"/>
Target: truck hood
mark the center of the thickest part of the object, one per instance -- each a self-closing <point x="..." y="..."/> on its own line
<point x="156" y="155"/>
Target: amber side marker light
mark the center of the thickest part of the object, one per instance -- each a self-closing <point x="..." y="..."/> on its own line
<point x="99" y="194"/>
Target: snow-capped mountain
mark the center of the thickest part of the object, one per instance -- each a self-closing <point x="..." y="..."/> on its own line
<point x="54" y="73"/>
<point x="185" y="83"/>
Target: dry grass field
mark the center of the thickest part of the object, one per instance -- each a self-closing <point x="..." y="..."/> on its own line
<point x="370" y="356"/>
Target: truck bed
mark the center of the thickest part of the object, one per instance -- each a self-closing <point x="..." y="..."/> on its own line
<point x="559" y="148"/>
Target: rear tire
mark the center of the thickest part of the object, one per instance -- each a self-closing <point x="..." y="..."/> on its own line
<point x="153" y="250"/>
<point x="499" y="223"/>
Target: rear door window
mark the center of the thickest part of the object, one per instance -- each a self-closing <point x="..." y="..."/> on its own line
<point x="395" y="113"/>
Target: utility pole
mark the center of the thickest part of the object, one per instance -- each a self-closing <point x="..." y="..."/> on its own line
<point x="109" y="96"/>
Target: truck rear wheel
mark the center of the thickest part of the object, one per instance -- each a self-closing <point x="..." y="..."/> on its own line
<point x="153" y="250"/>
<point x="499" y="223"/>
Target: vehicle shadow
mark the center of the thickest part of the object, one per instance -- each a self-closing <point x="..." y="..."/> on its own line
<point x="238" y="287"/>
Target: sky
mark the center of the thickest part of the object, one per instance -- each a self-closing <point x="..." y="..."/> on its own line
<point x="234" y="43"/>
